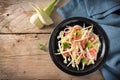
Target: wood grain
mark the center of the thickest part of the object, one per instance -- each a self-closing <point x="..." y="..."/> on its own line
<point x="15" y="16"/>
<point x="35" y="67"/>
<point x="20" y="57"/>
<point x="26" y="44"/>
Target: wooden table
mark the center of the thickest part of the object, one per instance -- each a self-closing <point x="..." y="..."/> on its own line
<point x="20" y="57"/>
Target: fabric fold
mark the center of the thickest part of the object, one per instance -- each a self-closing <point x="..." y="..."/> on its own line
<point x="73" y="7"/>
<point x="107" y="14"/>
<point x="101" y="8"/>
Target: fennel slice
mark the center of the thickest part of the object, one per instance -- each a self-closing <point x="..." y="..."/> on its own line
<point x="36" y="21"/>
<point x="45" y="19"/>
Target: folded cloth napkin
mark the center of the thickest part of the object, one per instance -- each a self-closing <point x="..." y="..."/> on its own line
<point x="107" y="14"/>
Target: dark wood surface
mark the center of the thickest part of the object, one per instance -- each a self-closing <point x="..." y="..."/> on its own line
<point x="20" y="57"/>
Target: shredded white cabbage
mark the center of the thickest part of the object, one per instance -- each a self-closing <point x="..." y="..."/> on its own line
<point x="78" y="45"/>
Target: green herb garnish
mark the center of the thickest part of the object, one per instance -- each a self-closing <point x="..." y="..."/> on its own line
<point x="41" y="47"/>
<point x="84" y="61"/>
<point x="89" y="45"/>
<point x="66" y="45"/>
<point x="78" y="32"/>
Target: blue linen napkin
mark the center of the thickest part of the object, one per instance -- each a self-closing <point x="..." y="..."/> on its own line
<point x="107" y="14"/>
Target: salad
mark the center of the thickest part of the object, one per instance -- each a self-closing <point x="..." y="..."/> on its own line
<point x="78" y="45"/>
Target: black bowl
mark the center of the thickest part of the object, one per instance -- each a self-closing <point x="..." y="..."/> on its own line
<point x="58" y="60"/>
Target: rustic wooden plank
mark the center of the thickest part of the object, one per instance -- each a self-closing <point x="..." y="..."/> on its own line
<point x="36" y="67"/>
<point x="16" y="14"/>
<point x="30" y="67"/>
<point x="22" y="44"/>
<point x="20" y="58"/>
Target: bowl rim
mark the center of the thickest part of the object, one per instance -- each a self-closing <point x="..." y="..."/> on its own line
<point x="106" y="40"/>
